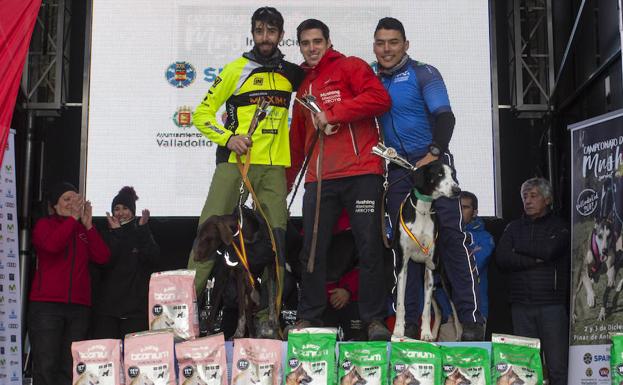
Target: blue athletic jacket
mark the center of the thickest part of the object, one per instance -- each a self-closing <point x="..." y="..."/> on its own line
<point x="418" y="94"/>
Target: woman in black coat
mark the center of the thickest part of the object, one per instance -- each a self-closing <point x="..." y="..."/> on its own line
<point x="121" y="298"/>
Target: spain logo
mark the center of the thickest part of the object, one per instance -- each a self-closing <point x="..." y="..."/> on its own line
<point x="180" y="74"/>
<point x="183" y="117"/>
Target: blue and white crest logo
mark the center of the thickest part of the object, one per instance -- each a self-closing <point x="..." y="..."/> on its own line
<point x="180" y="74"/>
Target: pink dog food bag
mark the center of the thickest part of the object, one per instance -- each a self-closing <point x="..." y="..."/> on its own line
<point x="202" y="361"/>
<point x="173" y="303"/>
<point x="256" y="361"/>
<point x="97" y="362"/>
<point x="149" y="358"/>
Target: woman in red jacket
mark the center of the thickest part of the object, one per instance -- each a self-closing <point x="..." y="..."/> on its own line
<point x="60" y="295"/>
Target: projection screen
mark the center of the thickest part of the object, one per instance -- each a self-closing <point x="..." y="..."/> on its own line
<point x="137" y="125"/>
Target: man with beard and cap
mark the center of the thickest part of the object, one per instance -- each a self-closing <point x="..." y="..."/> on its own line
<point x="419" y="127"/>
<point x="261" y="72"/>
<point x="342" y="174"/>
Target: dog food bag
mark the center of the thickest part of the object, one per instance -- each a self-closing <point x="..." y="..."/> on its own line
<point x="97" y="362"/>
<point x="202" y="361"/>
<point x="415" y="362"/>
<point x="516" y="360"/>
<point x="363" y="363"/>
<point x="311" y="356"/>
<point x="465" y="365"/>
<point x="173" y="303"/>
<point x="149" y="358"/>
<point x="257" y="361"/>
<point x="616" y="358"/>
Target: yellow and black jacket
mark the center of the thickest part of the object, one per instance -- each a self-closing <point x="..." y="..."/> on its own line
<point x="240" y="85"/>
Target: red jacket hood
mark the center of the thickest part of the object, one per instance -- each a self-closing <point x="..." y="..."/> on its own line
<point x="329" y="56"/>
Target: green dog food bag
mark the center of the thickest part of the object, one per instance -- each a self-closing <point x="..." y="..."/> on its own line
<point x="415" y="362"/>
<point x="616" y="358"/>
<point x="516" y="359"/>
<point x="363" y="363"/>
<point x="465" y="365"/>
<point x="311" y="356"/>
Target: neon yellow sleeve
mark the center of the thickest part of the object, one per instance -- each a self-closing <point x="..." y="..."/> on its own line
<point x="204" y="117"/>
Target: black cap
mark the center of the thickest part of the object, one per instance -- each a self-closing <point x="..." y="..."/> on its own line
<point x="127" y="197"/>
<point x="55" y="192"/>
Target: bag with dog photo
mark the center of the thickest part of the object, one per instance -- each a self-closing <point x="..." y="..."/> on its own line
<point x="465" y="365"/>
<point x="97" y="362"/>
<point x="256" y="361"/>
<point x="616" y="358"/>
<point x="311" y="356"/>
<point x="173" y="303"/>
<point x="202" y="361"/>
<point x="363" y="363"/>
<point x="516" y="360"/>
<point x="415" y="362"/>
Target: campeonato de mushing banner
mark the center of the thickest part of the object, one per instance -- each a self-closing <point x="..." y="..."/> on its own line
<point x="596" y="245"/>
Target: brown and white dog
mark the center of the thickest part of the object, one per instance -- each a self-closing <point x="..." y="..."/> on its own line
<point x="416" y="231"/>
<point x="353" y="378"/>
<point x="457" y="378"/>
<point x="405" y="378"/>
<point x="510" y="378"/>
<point x="298" y="377"/>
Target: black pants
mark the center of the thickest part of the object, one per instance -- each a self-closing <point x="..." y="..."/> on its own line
<point x="361" y="196"/>
<point x="105" y="326"/>
<point x="52" y="327"/>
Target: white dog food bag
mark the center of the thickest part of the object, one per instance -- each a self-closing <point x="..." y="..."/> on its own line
<point x="97" y="362"/>
<point x="173" y="303"/>
<point x="149" y="358"/>
<point x="516" y="360"/>
<point x="202" y="361"/>
<point x="311" y="356"/>
<point x="256" y="361"/>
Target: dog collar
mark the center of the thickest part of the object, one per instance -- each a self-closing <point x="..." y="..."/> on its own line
<point x="422" y="197"/>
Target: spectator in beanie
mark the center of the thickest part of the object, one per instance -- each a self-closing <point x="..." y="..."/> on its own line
<point x="121" y="298"/>
<point x="60" y="296"/>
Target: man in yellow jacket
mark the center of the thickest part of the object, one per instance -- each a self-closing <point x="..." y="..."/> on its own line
<point x="261" y="72"/>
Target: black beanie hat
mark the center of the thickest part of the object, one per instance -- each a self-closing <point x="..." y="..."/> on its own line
<point x="55" y="192"/>
<point x="127" y="197"/>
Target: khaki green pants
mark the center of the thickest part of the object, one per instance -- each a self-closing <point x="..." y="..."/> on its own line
<point x="269" y="183"/>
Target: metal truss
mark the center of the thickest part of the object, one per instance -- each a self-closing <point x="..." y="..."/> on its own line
<point x="531" y="56"/>
<point x="44" y="80"/>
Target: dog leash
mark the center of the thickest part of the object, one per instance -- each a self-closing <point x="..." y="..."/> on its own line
<point x="423" y="248"/>
<point x="244" y="170"/>
<point x="241" y="252"/>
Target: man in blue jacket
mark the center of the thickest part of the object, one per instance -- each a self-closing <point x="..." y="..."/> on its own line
<point x="419" y="126"/>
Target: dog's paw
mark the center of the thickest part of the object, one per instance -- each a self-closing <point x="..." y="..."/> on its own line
<point x="574" y="317"/>
<point x="426" y="335"/>
<point x="602" y="314"/>
<point x="590" y="300"/>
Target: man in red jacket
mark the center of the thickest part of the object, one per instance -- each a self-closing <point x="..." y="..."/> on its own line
<point x="350" y="176"/>
<point x="60" y="295"/>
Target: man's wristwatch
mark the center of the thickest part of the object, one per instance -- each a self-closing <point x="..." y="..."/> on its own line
<point x="434" y="150"/>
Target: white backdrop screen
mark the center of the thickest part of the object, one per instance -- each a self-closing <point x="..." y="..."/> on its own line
<point x="137" y="134"/>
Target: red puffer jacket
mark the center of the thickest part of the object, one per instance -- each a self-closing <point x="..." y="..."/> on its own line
<point x="351" y="96"/>
<point x="64" y="249"/>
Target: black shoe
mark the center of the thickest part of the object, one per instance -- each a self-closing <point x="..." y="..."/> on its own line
<point x="412" y="330"/>
<point x="264" y="328"/>
<point x="473" y="331"/>
<point x="377" y="331"/>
